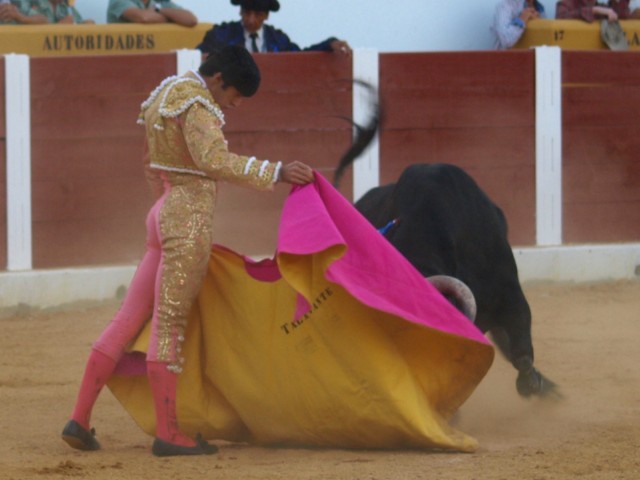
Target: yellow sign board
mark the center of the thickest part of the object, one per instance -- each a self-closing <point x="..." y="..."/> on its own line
<point x="106" y="39"/>
<point x="574" y="34"/>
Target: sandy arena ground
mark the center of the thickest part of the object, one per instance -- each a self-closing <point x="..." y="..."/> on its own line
<point x="586" y="339"/>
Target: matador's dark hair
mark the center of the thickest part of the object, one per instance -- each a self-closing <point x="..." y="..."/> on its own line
<point x="237" y="66"/>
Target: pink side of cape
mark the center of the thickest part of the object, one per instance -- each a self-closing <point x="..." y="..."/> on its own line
<point x="316" y="217"/>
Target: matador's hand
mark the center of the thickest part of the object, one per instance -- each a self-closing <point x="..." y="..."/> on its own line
<point x="296" y="173"/>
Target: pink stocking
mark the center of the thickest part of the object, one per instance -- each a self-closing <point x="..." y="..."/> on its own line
<point x="136" y="309"/>
<point x="98" y="370"/>
<point x="163" y="386"/>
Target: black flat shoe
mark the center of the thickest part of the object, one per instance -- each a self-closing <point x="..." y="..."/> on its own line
<point x="165" y="449"/>
<point x="79" y="438"/>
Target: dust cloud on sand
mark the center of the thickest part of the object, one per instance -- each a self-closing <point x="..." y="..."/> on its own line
<point x="586" y="340"/>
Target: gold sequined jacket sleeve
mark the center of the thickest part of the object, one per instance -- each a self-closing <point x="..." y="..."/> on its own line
<point x="208" y="148"/>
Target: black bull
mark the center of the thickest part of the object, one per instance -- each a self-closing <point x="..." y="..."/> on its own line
<point x="446" y="225"/>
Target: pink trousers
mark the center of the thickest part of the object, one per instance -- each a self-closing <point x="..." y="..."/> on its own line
<point x="167" y="280"/>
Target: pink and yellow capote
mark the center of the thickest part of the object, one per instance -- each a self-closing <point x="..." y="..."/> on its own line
<point x="336" y="341"/>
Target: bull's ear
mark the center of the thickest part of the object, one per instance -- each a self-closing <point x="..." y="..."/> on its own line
<point x="364" y="133"/>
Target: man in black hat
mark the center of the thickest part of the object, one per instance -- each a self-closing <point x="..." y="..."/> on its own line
<point x="252" y="32"/>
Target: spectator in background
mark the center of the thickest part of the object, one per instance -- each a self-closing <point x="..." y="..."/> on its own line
<point x="510" y="21"/>
<point x="634" y="7"/>
<point x="35" y="12"/>
<point x="590" y="10"/>
<point x="15" y="12"/>
<point x="57" y="11"/>
<point x="256" y="36"/>
<point x="149" y="11"/>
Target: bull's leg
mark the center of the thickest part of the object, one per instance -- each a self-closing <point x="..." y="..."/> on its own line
<point x="515" y="344"/>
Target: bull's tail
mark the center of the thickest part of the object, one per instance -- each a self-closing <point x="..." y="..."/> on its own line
<point x="363" y="136"/>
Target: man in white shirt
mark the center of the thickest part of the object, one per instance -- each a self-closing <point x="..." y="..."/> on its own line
<point x="257" y="36"/>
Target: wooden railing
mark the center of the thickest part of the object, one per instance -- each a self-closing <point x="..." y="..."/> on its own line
<point x="476" y="110"/>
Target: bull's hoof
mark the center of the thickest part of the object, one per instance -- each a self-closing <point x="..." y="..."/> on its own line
<point x="529" y="383"/>
<point x="532" y="383"/>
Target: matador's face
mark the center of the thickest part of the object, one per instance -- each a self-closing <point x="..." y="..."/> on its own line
<point x="225" y="96"/>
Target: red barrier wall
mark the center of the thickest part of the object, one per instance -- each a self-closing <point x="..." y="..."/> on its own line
<point x="89" y="198"/>
<point x="601" y="146"/>
<point x="89" y="194"/>
<point x="475" y="110"/>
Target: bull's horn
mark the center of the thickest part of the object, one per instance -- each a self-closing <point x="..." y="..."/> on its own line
<point x="456" y="290"/>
